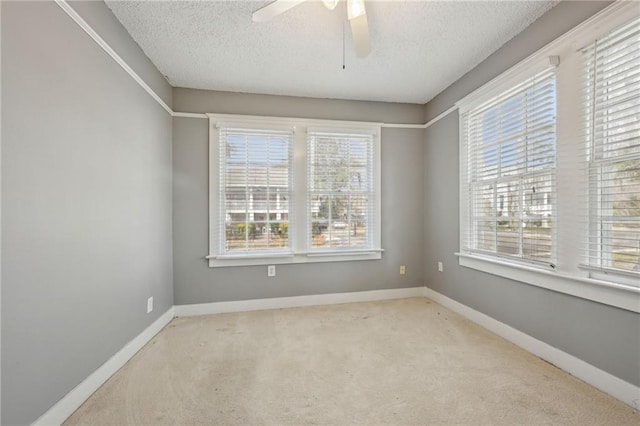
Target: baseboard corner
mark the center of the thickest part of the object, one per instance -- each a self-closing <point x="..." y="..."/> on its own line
<point x="65" y="407"/>
<point x="600" y="379"/>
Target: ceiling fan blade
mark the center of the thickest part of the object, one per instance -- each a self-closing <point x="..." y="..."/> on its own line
<point x="273" y="9"/>
<point x="360" y="32"/>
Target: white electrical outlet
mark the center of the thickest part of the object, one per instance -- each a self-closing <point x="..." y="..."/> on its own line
<point x="440" y="267"/>
<point x="402" y="269"/>
<point x="150" y="304"/>
<point x="271" y="270"/>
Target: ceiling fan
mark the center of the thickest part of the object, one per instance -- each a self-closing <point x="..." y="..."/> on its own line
<point x="356" y="14"/>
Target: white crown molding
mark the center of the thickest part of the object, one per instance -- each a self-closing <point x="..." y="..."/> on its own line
<point x="64" y="5"/>
<point x="612" y="12"/>
<point x="57" y="414"/>
<point x="607" y="383"/>
<point x="576" y="38"/>
<point x="114" y="55"/>
<point x="189" y="115"/>
<point x="440" y="116"/>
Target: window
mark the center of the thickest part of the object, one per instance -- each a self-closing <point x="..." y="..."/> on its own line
<point x="293" y="191"/>
<point x="510" y="143"/>
<point x="255" y="189"/>
<point x="612" y="93"/>
<point x="341" y="192"/>
<point x="550" y="165"/>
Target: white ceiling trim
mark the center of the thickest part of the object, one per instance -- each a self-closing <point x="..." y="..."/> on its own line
<point x="610" y="12"/>
<point x="418" y="47"/>
<point x="118" y="59"/>
<point x="551" y="54"/>
<point x="109" y="50"/>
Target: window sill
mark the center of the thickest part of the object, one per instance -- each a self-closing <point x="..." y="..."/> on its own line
<point x="283" y="259"/>
<point x="618" y="295"/>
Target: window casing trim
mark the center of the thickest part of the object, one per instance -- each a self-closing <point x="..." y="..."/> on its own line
<point x="610" y="293"/>
<point x="284" y="122"/>
<point x="474" y="175"/>
<point x="373" y="216"/>
<point x="570" y="277"/>
<point x="286" y="132"/>
<point x="300" y="252"/>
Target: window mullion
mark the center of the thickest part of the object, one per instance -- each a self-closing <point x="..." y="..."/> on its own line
<point x="521" y="223"/>
<point x="521" y="199"/>
<point x="248" y="196"/>
<point x="509" y="144"/>
<point x="250" y="166"/>
<point x="300" y="198"/>
<point x="495" y="216"/>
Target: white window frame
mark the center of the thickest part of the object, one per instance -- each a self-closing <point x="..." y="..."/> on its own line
<point x="600" y="261"/>
<point x="466" y="182"/>
<point x="300" y="249"/>
<point x="219" y="235"/>
<point x="373" y="215"/>
<point x="568" y="277"/>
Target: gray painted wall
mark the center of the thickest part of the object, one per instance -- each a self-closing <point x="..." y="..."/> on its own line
<point x="103" y="21"/>
<point x="86" y="197"/>
<point x="402" y="209"/>
<point x="563" y="17"/>
<point x="606" y="337"/>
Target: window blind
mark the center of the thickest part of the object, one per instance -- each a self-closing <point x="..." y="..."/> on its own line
<point x="509" y="175"/>
<point x="611" y="74"/>
<point x="255" y="191"/>
<point x="341" y="190"/>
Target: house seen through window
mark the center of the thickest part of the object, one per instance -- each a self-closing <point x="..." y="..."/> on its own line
<point x="256" y="189"/>
<point x="511" y="143"/>
<point x="288" y="192"/>
<point x="341" y="191"/>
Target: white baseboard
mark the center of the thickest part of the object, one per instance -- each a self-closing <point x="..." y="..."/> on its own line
<point x="614" y="386"/>
<point x="296" y="301"/>
<point x="57" y="414"/>
<point x="61" y="411"/>
<point x="608" y="383"/>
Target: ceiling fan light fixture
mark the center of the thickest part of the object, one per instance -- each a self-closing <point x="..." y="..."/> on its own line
<point x="355" y="8"/>
<point x="330" y="4"/>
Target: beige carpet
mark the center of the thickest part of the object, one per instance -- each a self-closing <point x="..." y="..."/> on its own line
<point x="407" y="361"/>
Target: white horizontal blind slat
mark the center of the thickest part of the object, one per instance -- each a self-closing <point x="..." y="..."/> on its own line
<point x="510" y="172"/>
<point x="341" y="190"/>
<point x="611" y="74"/>
<point x="255" y="191"/>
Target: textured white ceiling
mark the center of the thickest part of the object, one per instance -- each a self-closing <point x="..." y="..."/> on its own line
<point x="418" y="47"/>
